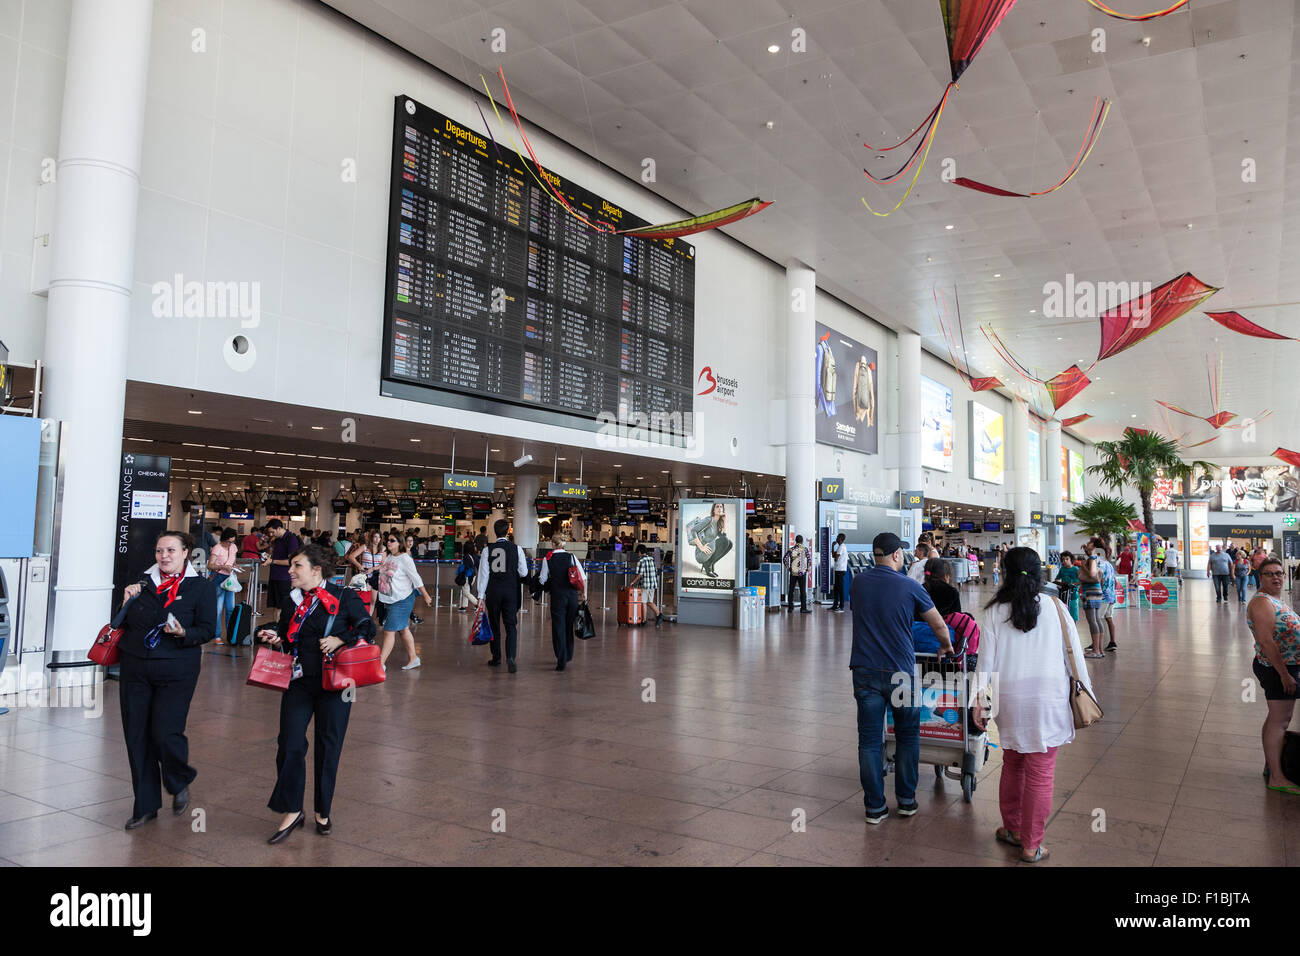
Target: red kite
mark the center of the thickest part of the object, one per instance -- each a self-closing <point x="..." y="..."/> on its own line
<point x="1066" y="385"/>
<point x="1126" y="325"/>
<point x="962" y="366"/>
<point x="1288" y="456"/>
<point x="1239" y="323"/>
<point x="1077" y="419"/>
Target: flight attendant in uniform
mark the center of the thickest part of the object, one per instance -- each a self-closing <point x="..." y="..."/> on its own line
<point x="302" y="628"/>
<point x="174" y="613"/>
<point x="502" y="566"/>
<point x="564" y="598"/>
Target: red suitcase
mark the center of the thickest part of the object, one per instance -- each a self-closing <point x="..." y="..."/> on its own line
<point x="631" y="607"/>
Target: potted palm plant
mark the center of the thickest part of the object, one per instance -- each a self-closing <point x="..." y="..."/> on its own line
<point x="1137" y="460"/>
<point x="1104" y="516"/>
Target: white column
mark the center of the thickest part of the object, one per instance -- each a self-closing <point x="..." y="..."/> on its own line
<point x="88" y="315"/>
<point x="526" y="511"/>
<point x="1052" y="503"/>
<point x="1022" y="489"/>
<point x="910" y="476"/>
<point x="800" y="411"/>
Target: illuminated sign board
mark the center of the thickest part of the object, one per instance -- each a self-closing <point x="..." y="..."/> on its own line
<point x="468" y="483"/>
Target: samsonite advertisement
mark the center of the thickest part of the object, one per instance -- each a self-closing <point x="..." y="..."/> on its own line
<point x="844" y="383"/>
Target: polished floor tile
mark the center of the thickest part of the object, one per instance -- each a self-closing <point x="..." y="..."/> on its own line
<point x="745" y="754"/>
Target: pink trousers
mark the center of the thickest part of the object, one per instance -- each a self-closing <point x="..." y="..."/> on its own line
<point x="1025" y="794"/>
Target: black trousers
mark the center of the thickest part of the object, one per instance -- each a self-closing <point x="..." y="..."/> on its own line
<point x="155" y="699"/>
<point x="799" y="581"/>
<point x="564" y="617"/>
<point x="277" y="592"/>
<point x="1222" y="585"/>
<point x="839" y="589"/>
<point x="304" y="699"/>
<point x="721" y="547"/>
<point x="503" y="610"/>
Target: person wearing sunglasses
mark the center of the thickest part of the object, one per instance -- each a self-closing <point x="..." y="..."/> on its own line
<point x="1276" y="629"/>
<point x="173" y="613"/>
<point x="398" y="582"/>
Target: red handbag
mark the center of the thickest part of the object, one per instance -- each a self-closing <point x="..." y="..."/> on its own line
<point x="355" y="666"/>
<point x="271" y="669"/>
<point x="106" y="650"/>
<point x="575" y="576"/>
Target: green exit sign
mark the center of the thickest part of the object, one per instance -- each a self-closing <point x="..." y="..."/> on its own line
<point x="415" y="484"/>
<point x="1289" y="521"/>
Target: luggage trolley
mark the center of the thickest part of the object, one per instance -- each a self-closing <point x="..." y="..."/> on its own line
<point x="949" y="738"/>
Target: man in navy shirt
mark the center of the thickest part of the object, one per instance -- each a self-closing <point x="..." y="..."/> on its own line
<point x="885" y="602"/>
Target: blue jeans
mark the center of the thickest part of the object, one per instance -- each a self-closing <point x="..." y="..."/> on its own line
<point x="225" y="602"/>
<point x="1241" y="587"/>
<point x="872" y="690"/>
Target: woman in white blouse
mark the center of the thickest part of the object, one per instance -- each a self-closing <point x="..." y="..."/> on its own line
<point x="398" y="582"/>
<point x="1024" y="644"/>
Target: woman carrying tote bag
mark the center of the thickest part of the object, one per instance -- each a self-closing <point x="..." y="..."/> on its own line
<point x="314" y="607"/>
<point x="1024" y="642"/>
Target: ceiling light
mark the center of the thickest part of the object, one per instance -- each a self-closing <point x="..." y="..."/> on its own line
<point x="414" y="439"/>
<point x="1033" y="311"/>
<point x="196" y="412"/>
<point x="1133" y="416"/>
<point x="997" y="275"/>
<point x="318" y="428"/>
<point x="665" y="472"/>
<point x="949" y="226"/>
<point x="640" y="477"/>
<point x="618" y="466"/>
<point x="774" y="48"/>
<point x="495" y="449"/>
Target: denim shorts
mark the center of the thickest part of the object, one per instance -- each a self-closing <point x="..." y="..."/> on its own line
<point x="398" y="614"/>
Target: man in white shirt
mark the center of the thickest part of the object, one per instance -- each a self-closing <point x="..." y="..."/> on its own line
<point x="917" y="571"/>
<point x="500" y="569"/>
<point x="840" y="565"/>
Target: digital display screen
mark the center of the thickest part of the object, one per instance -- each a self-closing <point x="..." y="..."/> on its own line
<point x="638" y="506"/>
<point x="927" y="525"/>
<point x="481" y="507"/>
<point x="603" y="506"/>
<point x="494" y="290"/>
<point x="966" y="526"/>
<point x="992" y="526"/>
<point x="545" y="506"/>
<point x="340" y="506"/>
<point x="453" y="506"/>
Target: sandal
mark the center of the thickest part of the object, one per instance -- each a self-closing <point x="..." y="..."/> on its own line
<point x="1094" y="656"/>
<point x="1285" y="789"/>
<point x="1004" y="835"/>
<point x="1039" y="855"/>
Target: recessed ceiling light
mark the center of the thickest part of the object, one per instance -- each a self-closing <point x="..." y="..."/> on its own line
<point x="1033" y="311"/>
<point x="1112" y="393"/>
<point x="774" y="48"/>
<point x="194" y="412"/>
<point x="1133" y="416"/>
<point x="495" y="449"/>
<point x="414" y="439"/>
<point x="618" y="466"/>
<point x="640" y="477"/>
<point x="318" y="428"/>
<point x="949" y="226"/>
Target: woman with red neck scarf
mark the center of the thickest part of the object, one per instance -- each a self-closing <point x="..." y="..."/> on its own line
<point x="313" y="606"/>
<point x="173" y="613"/>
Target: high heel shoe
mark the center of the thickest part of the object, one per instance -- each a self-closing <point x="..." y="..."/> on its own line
<point x="279" y="836"/>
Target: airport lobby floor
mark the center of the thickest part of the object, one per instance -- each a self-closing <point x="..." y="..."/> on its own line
<point x="745" y="729"/>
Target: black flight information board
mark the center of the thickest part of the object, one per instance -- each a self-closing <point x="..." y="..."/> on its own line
<point x="494" y="291"/>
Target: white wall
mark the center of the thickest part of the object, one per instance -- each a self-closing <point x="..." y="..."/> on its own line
<point x="958" y="486"/>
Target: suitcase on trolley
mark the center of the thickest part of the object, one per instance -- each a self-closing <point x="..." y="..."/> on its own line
<point x="631" y="607"/>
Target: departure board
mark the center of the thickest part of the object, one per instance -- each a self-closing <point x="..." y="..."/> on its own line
<point x="493" y="290"/>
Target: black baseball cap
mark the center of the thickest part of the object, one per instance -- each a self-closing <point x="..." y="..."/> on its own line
<point x="886" y="543"/>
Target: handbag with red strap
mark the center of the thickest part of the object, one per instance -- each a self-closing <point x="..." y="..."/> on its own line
<point x="271" y="669"/>
<point x="575" y="575"/>
<point x="107" y="649"/>
<point x="355" y="666"/>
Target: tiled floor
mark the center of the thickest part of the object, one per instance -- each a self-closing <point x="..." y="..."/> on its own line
<point x="744" y="729"/>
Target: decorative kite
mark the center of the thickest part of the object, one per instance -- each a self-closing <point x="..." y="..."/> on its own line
<point x="1136" y="17"/>
<point x="1126" y="325"/>
<point x="1075" y="420"/>
<point x="1100" y="110"/>
<point x="1066" y="385"/>
<point x="967" y="24"/>
<point x="1239" y="323"/>
<point x="667" y="230"/>
<point x="962" y="366"/>
<point x="1216" y="421"/>
<point x="1288" y="456"/>
<point x="1219" y="418"/>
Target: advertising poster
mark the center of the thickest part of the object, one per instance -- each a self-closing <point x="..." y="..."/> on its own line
<point x="1076" y="477"/>
<point x="1198" y="535"/>
<point x="988" y="444"/>
<point x="941" y="707"/>
<point x="844" y="386"/>
<point x="936" y="425"/>
<point x="1162" y="595"/>
<point x="710" y="559"/>
<point x="1065" y="475"/>
<point x="1035" y="457"/>
<point x="141" y="515"/>
<point x="1142" y="555"/>
<point x="1239" y="488"/>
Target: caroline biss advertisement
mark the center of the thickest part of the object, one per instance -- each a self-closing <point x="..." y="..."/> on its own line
<point x="710" y="557"/>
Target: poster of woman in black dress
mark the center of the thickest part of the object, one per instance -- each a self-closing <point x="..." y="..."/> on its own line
<point x="708" y="551"/>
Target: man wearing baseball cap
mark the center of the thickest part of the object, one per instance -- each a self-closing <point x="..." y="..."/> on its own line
<point x="885" y="602"/>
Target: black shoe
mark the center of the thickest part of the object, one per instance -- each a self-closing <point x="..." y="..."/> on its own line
<point x="326" y="828"/>
<point x="140" y="821"/>
<point x="559" y="667"/>
<point x="494" y="662"/>
<point x="417" y="620"/>
<point x="806" y="610"/>
<point x="879" y="817"/>
<point x="510" y="665"/>
<point x="1112" y="646"/>
<point x="181" y="802"/>
<point x="907" y="809"/>
<point x="659" y="619"/>
<point x="279" y="836"/>
<point x="711" y="573"/>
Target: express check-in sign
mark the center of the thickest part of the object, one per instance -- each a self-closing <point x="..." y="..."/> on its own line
<point x="558" y="489"/>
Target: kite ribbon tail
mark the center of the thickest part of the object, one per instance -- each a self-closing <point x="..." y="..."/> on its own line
<point x="934" y="127"/>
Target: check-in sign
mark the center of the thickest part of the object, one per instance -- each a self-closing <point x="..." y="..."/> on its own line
<point x="912" y="499"/>
<point x="832" y="489"/>
<point x="1035" y="517"/>
<point x="468" y="483"/>
<point x="558" y="489"/>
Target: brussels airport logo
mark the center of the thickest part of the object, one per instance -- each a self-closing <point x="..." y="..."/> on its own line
<point x="66" y="691"/>
<point x="179" y="299"/>
<point x="722" y="389"/>
<point x="633" y="429"/>
<point x="1088" y="300"/>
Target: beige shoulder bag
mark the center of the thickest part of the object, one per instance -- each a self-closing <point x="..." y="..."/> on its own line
<point x="1083" y="705"/>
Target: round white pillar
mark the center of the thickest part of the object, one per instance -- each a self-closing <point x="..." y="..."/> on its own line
<point x="1053" y="500"/>
<point x="1022" y="489"/>
<point x="800" y="407"/>
<point x="910" y="475"/>
<point x="88" y="315"/>
<point x="526" y="534"/>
